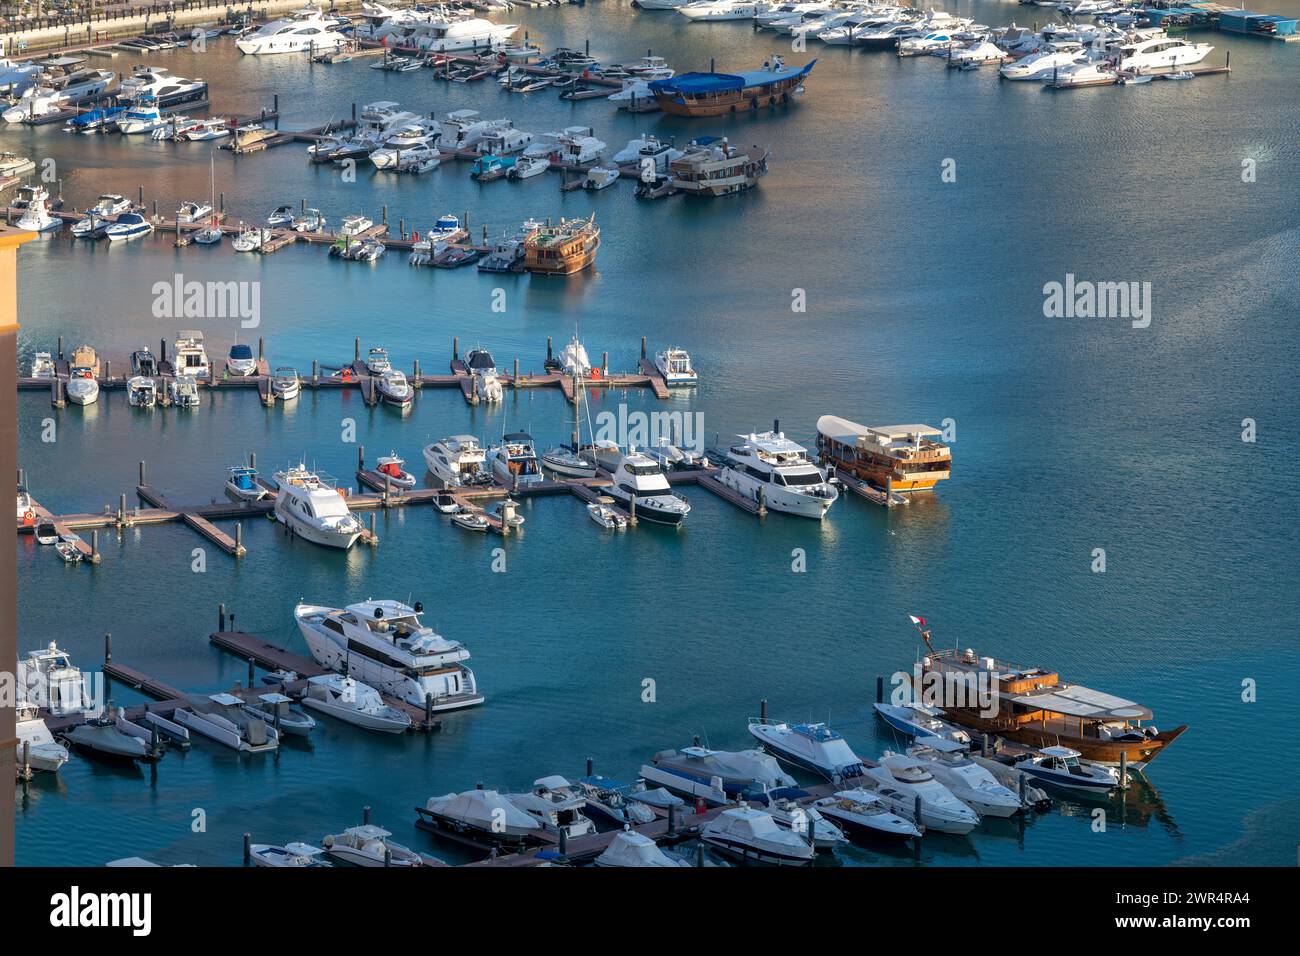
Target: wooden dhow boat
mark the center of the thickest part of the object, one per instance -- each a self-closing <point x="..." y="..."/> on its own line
<point x="717" y="94"/>
<point x="562" y="249"/>
<point x="1033" y="706"/>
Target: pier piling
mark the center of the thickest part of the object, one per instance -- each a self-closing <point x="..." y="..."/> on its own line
<point x="365" y="816"/>
<point x="108" y="647"/>
<point x="762" y="711"/>
<point x="880" y="689"/>
<point x="591" y="766"/>
<point x="221" y="617"/>
<point x="248" y="849"/>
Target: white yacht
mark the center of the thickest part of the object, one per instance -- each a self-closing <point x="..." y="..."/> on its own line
<point x="36" y="218"/>
<point x="751" y="834"/>
<point x="143" y="116"/>
<point x="640" y="477"/>
<point x="458" y="460"/>
<point x="969" y="782"/>
<point x="676" y="368"/>
<point x="716" y="776"/>
<point x="307" y="30"/>
<point x="904" y="779"/>
<point x="377" y="362"/>
<point x="395" y="390"/>
<point x="1161" y="53"/>
<point x="553" y="803"/>
<point x="285" y="383"/>
<point x="161" y="85"/>
<point x="184" y="391"/>
<point x="440" y="32"/>
<point x="142" y="392"/>
<point x="383" y="644"/>
<point x="355" y="703"/>
<point x="289" y="855"/>
<point x="462" y="130"/>
<point x="630" y="848"/>
<point x="777" y="473"/>
<point x="1041" y="65"/>
<point x="501" y="138"/>
<point x="812" y="747"/>
<point x="43" y="366"/>
<point x="515" y="460"/>
<point x="484" y="814"/>
<point x="720" y="10"/>
<point x="314" y="509"/>
<point x="369" y="845"/>
<point x="191" y="358"/>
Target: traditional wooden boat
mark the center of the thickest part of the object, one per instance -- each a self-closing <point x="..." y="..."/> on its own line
<point x="711" y="166"/>
<point x="1033" y="706"/>
<point x="716" y="94"/>
<point x="564" y="249"/>
<point x="889" y="457"/>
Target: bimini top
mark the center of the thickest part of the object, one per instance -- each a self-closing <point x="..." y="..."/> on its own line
<point x="699" y="84"/>
<point x="1073" y="700"/>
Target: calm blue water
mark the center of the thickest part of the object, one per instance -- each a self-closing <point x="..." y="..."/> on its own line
<point x="924" y="303"/>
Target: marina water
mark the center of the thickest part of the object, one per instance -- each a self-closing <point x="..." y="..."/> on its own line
<point x="924" y="303"/>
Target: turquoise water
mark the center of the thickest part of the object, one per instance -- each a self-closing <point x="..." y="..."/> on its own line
<point x="924" y="303"/>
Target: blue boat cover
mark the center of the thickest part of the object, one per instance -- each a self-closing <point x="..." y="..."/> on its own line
<point x="695" y="84"/>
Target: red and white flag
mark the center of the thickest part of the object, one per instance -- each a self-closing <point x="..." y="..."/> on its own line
<point x="918" y="621"/>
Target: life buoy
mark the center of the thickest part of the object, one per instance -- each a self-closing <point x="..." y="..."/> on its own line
<point x="595" y="374"/>
<point x="29" y="517"/>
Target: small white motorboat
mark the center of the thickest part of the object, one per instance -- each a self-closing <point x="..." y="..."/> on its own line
<point x="753" y="836"/>
<point x="507" y="512"/>
<point x="43" y="752"/>
<point x="285" y="384"/>
<point x="446" y="503"/>
<point x="368" y="845"/>
<point x="242" y="484"/>
<point x="377" y="362"/>
<point x="291" y="854"/>
<point x="469" y="520"/>
<point x="526" y="167"/>
<point x="598" y="177"/>
<point x="184" y="391"/>
<point x="354" y="702"/>
<point x="485" y="814"/>
<point x="47" y="532"/>
<point x="900" y="781"/>
<point x="861" y="814"/>
<point x="129" y="225"/>
<point x="395" y="390"/>
<point x="1061" y="767"/>
<point x="67" y="548"/>
<point x="920" y="720"/>
<point x="221" y="717"/>
<point x="630" y="848"/>
<point x="101" y="735"/>
<point x="390" y="467"/>
<point x="193" y="211"/>
<point x="1178" y="75"/>
<point x="274" y="708"/>
<point x="812" y="747"/>
<point x="142" y="392"/>
<point x="602" y="512"/>
<point x="788" y="813"/>
<point x="82" y="389"/>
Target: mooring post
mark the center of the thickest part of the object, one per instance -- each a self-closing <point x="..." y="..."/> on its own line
<point x="27" y="760"/>
<point x="455" y="348"/>
<point x="248" y="849"/>
<point x="108" y="370"/>
<point x="356" y="350"/>
<point x="699" y="855"/>
<point x="548" y="349"/>
<point x="604" y="364"/>
<point x="374" y="538"/>
<point x="632" y="521"/>
<point x="591" y="766"/>
<point x="515" y="380"/>
<point x="315" y="373"/>
<point x="142" y="481"/>
<point x="239" y="538"/>
<point x="232" y="622"/>
<point x="155" y="745"/>
<point x="564" y="841"/>
<point x="252" y="460"/>
<point x="916" y="810"/>
<point x="60" y="347"/>
<point x="1123" y="769"/>
<point x="221" y="617"/>
<point x="762" y="711"/>
<point x="1024" y="786"/>
<point x="94" y="546"/>
<point x="880" y="689"/>
<point x="428" y="711"/>
<point x="365" y="816"/>
<point x="121" y="509"/>
<point x="108" y="647"/>
<point x="643" y="348"/>
<point x="261" y="348"/>
<point x="415" y="378"/>
<point x="672" y="818"/>
<point x="388" y="486"/>
<point x="695" y="740"/>
<point x="361" y="458"/>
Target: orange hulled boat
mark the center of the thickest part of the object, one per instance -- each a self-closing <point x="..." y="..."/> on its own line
<point x="564" y="249"/>
<point x="889" y="457"/>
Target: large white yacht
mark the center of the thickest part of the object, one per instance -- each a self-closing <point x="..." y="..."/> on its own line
<point x="308" y="29"/>
<point x="776" y="472"/>
<point x="458" y="460"/>
<point x="720" y="10"/>
<point x="160" y="84"/>
<point x="383" y="644"/>
<point x="515" y="459"/>
<point x="440" y="31"/>
<point x="1161" y="53"/>
<point x="639" y="476"/>
<point x="1041" y="65"/>
<point x="676" y="368"/>
<point x="314" y="509"/>
<point x="49" y="679"/>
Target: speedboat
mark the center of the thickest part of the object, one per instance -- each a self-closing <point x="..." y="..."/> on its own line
<point x="101" y="735"/>
<point x="527" y="167"/>
<point x="514" y="461"/>
<point x="241" y="362"/>
<point x="469" y="519"/>
<point x="36" y="742"/>
<point x="709" y="10"/>
<point x="51" y="681"/>
<point x="281" y="217"/>
<point x="553" y="803"/>
<point x="129" y="225"/>
<point x="358" y="704"/>
<point x="314" y="509"/>
<point x="384" y="644"/>
<point x="193" y="212"/>
<point x="969" y="782"/>
<point x="309" y="221"/>
<point x="394" y="389"/>
<point x="812" y="747"/>
<point x="285" y="384"/>
<point x="920" y="720"/>
<point x="603" y="513"/>
<point x="290" y="855"/>
<point x="804" y="819"/>
<point x="716" y="776"/>
<point x="368" y="845"/>
<point x="144" y="363"/>
<point x="221" y="717"/>
<point x="615" y="805"/>
<point x="776" y="472"/>
<point x="141" y="392"/>
<point x="1161" y="53"/>
<point x="676" y="368"/>
<point x="184" y="391"/>
<point x="43" y="365"/>
<point x="275" y="709"/>
<point x="47" y="532"/>
<point x="598" y="177"/>
<point x="458" y="460"/>
<point x="36" y="218"/>
<point x="242" y="484"/>
<point x="639" y="484"/>
<point x="862" y="814"/>
<point x="483" y="814"/>
<point x="752" y="835"/>
<point x="630" y="848"/>
<point x="1041" y="65"/>
<point x="82" y="389"/>
<point x="1061" y="767"/>
<point x="390" y="466"/>
<point x="903" y="780"/>
<point x="143" y="116"/>
<point x="377" y="361"/>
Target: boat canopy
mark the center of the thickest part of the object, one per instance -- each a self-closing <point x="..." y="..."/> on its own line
<point x="696" y="84"/>
<point x="850" y="433"/>
<point x="1083" y="702"/>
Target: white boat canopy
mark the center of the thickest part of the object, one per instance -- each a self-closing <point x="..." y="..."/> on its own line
<point x="1084" y="702"/>
<point x="851" y="433"/>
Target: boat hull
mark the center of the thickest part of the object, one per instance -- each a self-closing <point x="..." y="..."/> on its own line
<point x="1136" y="754"/>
